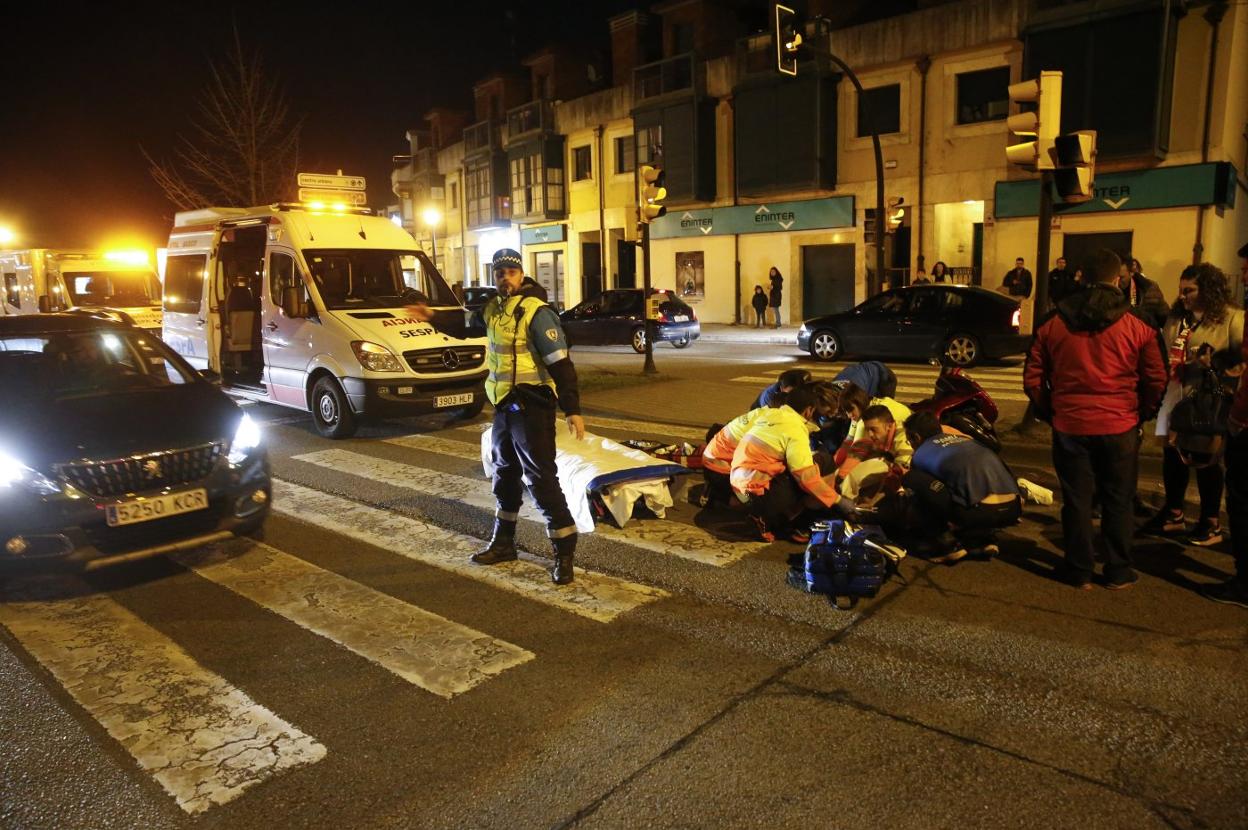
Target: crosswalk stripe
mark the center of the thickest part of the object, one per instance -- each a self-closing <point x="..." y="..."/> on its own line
<point x="661" y="536"/>
<point x="202" y="739"/>
<point x="423" y="648"/>
<point x="594" y="596"/>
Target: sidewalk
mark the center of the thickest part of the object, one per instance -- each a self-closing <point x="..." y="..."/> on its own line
<point x="729" y="333"/>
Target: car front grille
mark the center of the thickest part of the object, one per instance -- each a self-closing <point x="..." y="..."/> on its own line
<point x="448" y="359"/>
<point x="153" y="471"/>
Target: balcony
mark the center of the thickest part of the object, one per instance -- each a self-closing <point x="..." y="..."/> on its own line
<point x="666" y="77"/>
<point x="531" y="119"/>
<point x="481" y="137"/>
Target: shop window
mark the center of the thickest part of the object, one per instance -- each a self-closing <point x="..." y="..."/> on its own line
<point x="582" y="164"/>
<point x="983" y="95"/>
<point x="884" y="103"/>
<point x="12" y="293"/>
<point x="625" y="155"/>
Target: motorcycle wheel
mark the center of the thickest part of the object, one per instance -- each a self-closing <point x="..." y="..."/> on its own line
<point x="973" y="424"/>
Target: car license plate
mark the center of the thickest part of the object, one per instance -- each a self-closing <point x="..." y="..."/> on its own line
<point x="452" y="400"/>
<point x="156" y="507"/>
<point x="681" y="318"/>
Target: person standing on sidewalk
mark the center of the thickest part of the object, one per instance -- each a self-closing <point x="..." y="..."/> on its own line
<point x="759" y="301"/>
<point x="1017" y="282"/>
<point x="1143" y="294"/>
<point x="1234" y="591"/>
<point x="1203" y="317"/>
<point x="1095" y="372"/>
<point x="530" y="372"/>
<point x="776" y="294"/>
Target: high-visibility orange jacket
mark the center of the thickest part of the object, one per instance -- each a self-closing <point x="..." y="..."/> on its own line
<point x="778" y="440"/>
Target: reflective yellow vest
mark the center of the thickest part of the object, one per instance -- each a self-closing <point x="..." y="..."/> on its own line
<point x="509" y="359"/>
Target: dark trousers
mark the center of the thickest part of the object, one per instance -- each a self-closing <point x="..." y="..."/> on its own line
<point x="1237" y="500"/>
<point x="1107" y="464"/>
<point x="781" y="504"/>
<point x="1176" y="474"/>
<point x="775" y="309"/>
<point x="761" y="315"/>
<point x="718" y="486"/>
<point x="524" y="446"/>
<point x="942" y="519"/>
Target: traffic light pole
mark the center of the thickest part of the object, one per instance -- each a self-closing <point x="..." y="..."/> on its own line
<point x="1043" y="233"/>
<point x="648" y="367"/>
<point x="879" y="175"/>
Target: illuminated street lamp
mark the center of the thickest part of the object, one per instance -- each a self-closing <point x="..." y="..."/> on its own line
<point x="432" y="217"/>
<point x="7" y="236"/>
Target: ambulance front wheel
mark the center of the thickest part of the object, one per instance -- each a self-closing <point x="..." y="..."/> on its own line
<point x="331" y="411"/>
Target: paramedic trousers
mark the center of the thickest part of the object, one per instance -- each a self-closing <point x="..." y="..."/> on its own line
<point x="524" y="448"/>
<point x="935" y="510"/>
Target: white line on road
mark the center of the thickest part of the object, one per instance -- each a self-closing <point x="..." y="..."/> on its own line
<point x="430" y="651"/>
<point x="629" y="425"/>
<point x="998" y="391"/>
<point x="201" y="738"/>
<point x="595" y="596"/>
<point x="658" y="535"/>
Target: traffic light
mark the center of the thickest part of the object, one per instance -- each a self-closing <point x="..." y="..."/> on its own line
<point x="1043" y="122"/>
<point x="1076" y="163"/>
<point x="652" y="193"/>
<point x="788" y="36"/>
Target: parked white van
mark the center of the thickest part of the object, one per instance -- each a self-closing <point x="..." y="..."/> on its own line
<point x="304" y="307"/>
<point x="119" y="284"/>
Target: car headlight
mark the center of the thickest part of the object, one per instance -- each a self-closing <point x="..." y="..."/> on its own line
<point x="246" y="439"/>
<point x="375" y="358"/>
<point x="13" y="474"/>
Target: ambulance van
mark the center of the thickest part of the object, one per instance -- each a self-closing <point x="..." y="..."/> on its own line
<point x="304" y="307"/>
<point x="118" y="284"/>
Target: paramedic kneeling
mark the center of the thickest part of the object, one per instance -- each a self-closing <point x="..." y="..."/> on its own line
<point x="963" y="491"/>
<point x="773" y="464"/>
<point x="530" y="371"/>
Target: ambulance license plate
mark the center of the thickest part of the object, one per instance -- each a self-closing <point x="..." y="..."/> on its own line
<point x="156" y="507"/>
<point x="452" y="400"/>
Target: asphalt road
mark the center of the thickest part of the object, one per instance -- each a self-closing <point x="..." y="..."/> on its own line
<point x="352" y="669"/>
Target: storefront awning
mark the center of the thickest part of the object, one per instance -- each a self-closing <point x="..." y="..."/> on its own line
<point x="1185" y="185"/>
<point x="811" y="214"/>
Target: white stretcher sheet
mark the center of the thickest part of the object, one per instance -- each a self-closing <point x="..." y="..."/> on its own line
<point x="580" y="463"/>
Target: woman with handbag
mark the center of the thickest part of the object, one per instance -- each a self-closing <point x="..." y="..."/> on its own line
<point x="1203" y="333"/>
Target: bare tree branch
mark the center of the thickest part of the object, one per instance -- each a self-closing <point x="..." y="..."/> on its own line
<point x="243" y="144"/>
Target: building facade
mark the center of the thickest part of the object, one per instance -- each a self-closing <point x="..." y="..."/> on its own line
<point x="764" y="170"/>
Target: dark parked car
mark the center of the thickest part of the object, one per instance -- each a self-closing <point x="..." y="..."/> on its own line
<point x="112" y="448"/>
<point x="618" y="317"/>
<point x="476" y="296"/>
<point x="961" y="323"/>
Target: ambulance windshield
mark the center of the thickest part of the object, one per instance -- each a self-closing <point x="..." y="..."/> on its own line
<point x="118" y="289"/>
<point x="353" y="279"/>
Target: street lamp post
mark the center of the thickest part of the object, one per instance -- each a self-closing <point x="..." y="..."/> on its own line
<point x="432" y="217"/>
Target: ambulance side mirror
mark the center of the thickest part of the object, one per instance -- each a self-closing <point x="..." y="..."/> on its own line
<point x="292" y="306"/>
<point x="45" y="304"/>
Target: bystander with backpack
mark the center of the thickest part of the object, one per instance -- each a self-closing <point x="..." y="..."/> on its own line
<point x="1204" y="335"/>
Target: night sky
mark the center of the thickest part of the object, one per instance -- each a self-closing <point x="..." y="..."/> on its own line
<point x="85" y="86"/>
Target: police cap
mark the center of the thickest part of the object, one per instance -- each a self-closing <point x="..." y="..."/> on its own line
<point x="507" y="258"/>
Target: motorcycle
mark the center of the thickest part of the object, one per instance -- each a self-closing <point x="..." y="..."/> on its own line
<point x="961" y="403"/>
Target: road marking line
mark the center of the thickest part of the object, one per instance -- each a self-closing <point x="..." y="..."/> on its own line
<point x="594" y="596"/>
<point x="428" y="650"/>
<point x="663" y="536"/>
<point x="201" y="738"/>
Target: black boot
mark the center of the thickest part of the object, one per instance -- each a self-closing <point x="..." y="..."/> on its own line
<point x="561" y="571"/>
<point x="502" y="546"/>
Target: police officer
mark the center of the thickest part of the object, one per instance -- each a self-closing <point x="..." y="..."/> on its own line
<point x="530" y="372"/>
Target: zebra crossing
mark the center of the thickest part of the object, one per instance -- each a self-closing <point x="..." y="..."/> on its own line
<point x="1003" y="383"/>
<point x="202" y="737"/>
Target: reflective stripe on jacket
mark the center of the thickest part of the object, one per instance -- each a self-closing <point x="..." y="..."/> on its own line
<point x="779" y="439"/>
<point x="717" y="455"/>
<point x="510" y="357"/>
